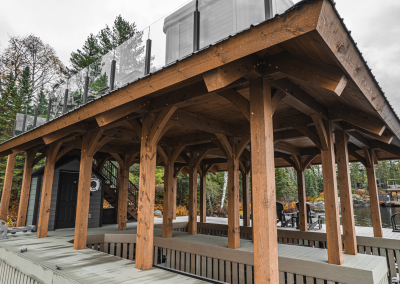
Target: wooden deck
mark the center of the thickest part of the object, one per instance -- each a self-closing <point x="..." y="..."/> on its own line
<point x="77" y="266"/>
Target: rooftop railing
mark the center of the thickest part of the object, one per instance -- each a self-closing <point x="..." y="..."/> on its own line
<point x="191" y="27"/>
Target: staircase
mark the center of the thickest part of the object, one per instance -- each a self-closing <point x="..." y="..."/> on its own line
<point x="110" y="173"/>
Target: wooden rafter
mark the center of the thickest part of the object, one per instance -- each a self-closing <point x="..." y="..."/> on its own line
<point x="238" y="100"/>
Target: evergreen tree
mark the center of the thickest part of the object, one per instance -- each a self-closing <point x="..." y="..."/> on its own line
<point x="25" y="91"/>
<point x="90" y="52"/>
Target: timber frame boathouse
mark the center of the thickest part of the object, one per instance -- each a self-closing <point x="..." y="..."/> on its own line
<point x="291" y="90"/>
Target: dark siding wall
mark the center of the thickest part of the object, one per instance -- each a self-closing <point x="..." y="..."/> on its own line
<point x="31" y="203"/>
<point x="95" y="199"/>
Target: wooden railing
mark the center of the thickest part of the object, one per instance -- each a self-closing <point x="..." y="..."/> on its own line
<point x="221" y="263"/>
<point x="388" y="248"/>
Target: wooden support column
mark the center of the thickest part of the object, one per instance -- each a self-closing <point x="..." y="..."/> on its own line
<point x="373" y="193"/>
<point x="302" y="201"/>
<point x="203" y="195"/>
<point x="169" y="159"/>
<point x="192" y="225"/>
<point x="8" y="179"/>
<point x="263" y="183"/>
<point x="346" y="198"/>
<point x="233" y="150"/>
<point x="246" y="197"/>
<point x="123" y="195"/>
<point x="47" y="188"/>
<point x="26" y="187"/>
<point x="333" y="233"/>
<point x="89" y="147"/>
<point x="151" y="132"/>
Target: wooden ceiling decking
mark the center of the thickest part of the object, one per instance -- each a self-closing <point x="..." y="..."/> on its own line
<point x="314" y="68"/>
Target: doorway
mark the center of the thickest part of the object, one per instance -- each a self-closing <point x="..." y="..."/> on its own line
<point x="66" y="200"/>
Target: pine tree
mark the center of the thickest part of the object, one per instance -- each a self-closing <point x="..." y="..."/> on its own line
<point x="25" y="91"/>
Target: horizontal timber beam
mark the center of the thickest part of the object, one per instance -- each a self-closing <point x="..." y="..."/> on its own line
<point x="316" y="73"/>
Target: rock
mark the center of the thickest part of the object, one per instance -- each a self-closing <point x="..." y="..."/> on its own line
<point x="357" y="197"/>
<point x="215" y="215"/>
<point x="157" y="213"/>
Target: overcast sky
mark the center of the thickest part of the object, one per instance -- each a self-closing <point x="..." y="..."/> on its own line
<point x="65" y="25"/>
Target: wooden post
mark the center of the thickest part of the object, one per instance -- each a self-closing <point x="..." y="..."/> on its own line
<point x="302" y="201"/>
<point x="346" y="198"/>
<point x="374" y="200"/>
<point x="192" y="226"/>
<point x="203" y="195"/>
<point x="174" y="185"/>
<point x="151" y="132"/>
<point x="47" y="188"/>
<point x="7" y="186"/>
<point x="263" y="183"/>
<point x="233" y="203"/>
<point x="123" y="194"/>
<point x="26" y="187"/>
<point x="333" y="233"/>
<point x="145" y="226"/>
<point x="83" y="200"/>
<point x="246" y="199"/>
<point x="168" y="213"/>
<point x="88" y="149"/>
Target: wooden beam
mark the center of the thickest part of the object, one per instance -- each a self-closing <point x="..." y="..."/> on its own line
<point x="189" y="140"/>
<point x="136" y="126"/>
<point x="333" y="233"/>
<point x="118" y="158"/>
<point x="123" y="193"/>
<point x="394" y="150"/>
<point x="238" y="100"/>
<point x="276" y="99"/>
<point x="26" y="146"/>
<point x="263" y="184"/>
<point x="233" y="194"/>
<point x="242" y="146"/>
<point x="160" y="123"/>
<point x="346" y="197"/>
<point x="310" y="134"/>
<point x="308" y="161"/>
<point x="7" y="186"/>
<point x="299" y="99"/>
<point x="323" y="136"/>
<point x="287" y="134"/>
<point x="94" y="139"/>
<point x="198" y="122"/>
<point x="38" y="159"/>
<point x="358" y="118"/>
<point x="352" y="151"/>
<point x="286" y="148"/>
<point x="387" y="136"/>
<point x="358" y="139"/>
<point x="316" y="73"/>
<point x="47" y="188"/>
<point x="77" y="129"/>
<point x="368" y="157"/>
<point x="168" y="201"/>
<point x="103" y="141"/>
<point x="63" y="152"/>
<point x="221" y="77"/>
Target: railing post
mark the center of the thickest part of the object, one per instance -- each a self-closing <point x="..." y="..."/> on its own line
<point x="65" y="102"/>
<point x="112" y="75"/>
<point x="196" y="29"/>
<point x="148" y="57"/>
<point x="86" y="90"/>
<point x="49" y="110"/>
<point x="35" y="118"/>
<point x="24" y="123"/>
<point x="15" y="126"/>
